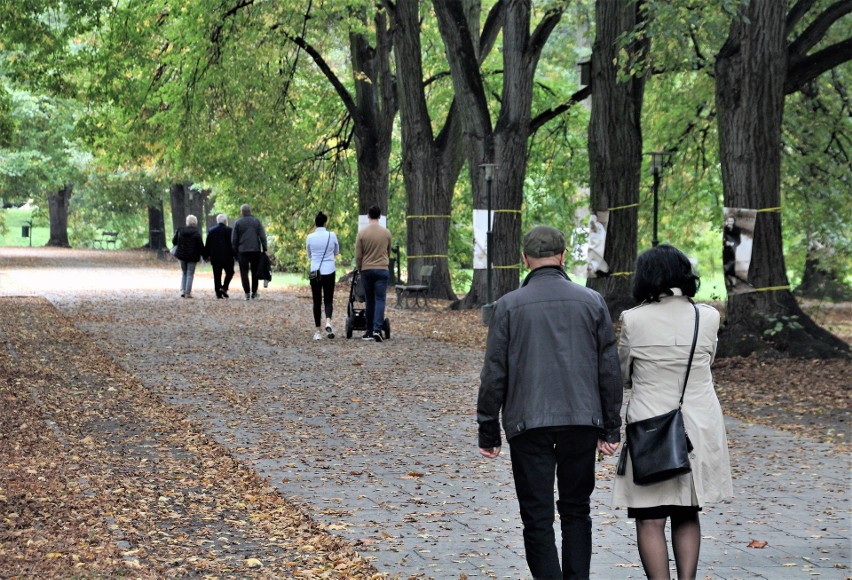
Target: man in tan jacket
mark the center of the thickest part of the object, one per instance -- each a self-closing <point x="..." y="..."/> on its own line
<point x="372" y="258"/>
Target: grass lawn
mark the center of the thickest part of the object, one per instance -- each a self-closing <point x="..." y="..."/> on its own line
<point x="15" y="219"/>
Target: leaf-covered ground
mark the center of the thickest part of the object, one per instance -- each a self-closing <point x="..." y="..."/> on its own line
<point x="77" y="492"/>
<point x="808" y="397"/>
<point x="102" y="476"/>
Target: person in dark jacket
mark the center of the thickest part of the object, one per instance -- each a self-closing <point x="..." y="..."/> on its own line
<point x="551" y="368"/>
<point x="248" y="240"/>
<point x="220" y="253"/>
<point x="190" y="249"/>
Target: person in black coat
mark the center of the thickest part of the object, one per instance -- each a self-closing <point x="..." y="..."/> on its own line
<point x="190" y="248"/>
<point x="220" y="253"/>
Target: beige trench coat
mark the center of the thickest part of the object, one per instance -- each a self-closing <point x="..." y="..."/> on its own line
<point x="653" y="350"/>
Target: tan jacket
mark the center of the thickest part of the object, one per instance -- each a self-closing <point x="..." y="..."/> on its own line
<point x="372" y="248"/>
<point x="653" y="350"/>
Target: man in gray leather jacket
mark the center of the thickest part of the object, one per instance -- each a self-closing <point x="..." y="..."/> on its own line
<point x="552" y="369"/>
<point x="249" y="241"/>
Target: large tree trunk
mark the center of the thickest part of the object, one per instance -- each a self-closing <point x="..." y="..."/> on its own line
<point x="615" y="148"/>
<point x="179" y="201"/>
<point x="57" y="204"/>
<point x="156" y="227"/>
<point x="750" y="78"/>
<point x="374" y="113"/>
<point x="196" y="203"/>
<point x="506" y="143"/>
<point x="820" y="283"/>
<point x="430" y="167"/>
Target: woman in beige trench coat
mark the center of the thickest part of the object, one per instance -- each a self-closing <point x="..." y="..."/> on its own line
<point x="654" y="346"/>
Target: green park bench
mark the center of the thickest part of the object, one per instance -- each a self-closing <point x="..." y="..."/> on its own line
<point x="106" y="239"/>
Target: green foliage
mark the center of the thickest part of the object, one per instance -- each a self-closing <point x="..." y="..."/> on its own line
<point x="218" y="95"/>
<point x="817" y="178"/>
<point x="779" y="323"/>
<point x="41" y="153"/>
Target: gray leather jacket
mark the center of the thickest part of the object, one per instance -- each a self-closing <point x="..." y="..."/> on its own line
<point x="550" y="361"/>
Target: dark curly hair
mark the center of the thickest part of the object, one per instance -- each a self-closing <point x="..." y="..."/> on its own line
<point x="662" y="268"/>
<point x="321" y="220"/>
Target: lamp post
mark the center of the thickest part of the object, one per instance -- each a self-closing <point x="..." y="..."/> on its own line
<point x="489" y="178"/>
<point x="658" y="160"/>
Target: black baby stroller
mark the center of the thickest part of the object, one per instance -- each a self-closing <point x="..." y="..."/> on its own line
<point x="356" y="318"/>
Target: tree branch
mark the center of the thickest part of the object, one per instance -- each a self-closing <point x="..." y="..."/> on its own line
<point x="491" y="29"/>
<point x="546" y="116"/>
<point x="341" y="90"/>
<point x="817" y="30"/>
<point x="796" y="13"/>
<point x="542" y="32"/>
<point x="809" y="68"/>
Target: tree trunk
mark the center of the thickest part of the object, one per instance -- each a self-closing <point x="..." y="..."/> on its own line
<point x="506" y="143"/>
<point x="179" y="201"/>
<point x="57" y="204"/>
<point x="374" y="113"/>
<point x="430" y="167"/>
<point x="615" y="148"/>
<point x="750" y="77"/>
<point x="156" y="227"/>
<point x="820" y="283"/>
<point x="196" y="205"/>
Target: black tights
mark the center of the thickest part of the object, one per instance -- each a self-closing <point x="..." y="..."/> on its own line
<point x="686" y="542"/>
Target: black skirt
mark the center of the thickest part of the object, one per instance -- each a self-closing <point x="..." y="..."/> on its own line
<point x="662" y="511"/>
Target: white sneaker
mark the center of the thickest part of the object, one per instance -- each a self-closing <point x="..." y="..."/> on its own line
<point x="329" y="331"/>
<point x="317" y="335"/>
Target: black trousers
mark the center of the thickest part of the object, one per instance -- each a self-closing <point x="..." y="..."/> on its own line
<point x="322" y="290"/>
<point x="568" y="453"/>
<point x="218" y="268"/>
<point x="249" y="262"/>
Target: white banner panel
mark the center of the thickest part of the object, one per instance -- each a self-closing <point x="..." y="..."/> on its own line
<point x="364" y="221"/>
<point x="480" y="238"/>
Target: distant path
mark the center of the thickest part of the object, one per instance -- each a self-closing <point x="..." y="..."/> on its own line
<point x="378" y="441"/>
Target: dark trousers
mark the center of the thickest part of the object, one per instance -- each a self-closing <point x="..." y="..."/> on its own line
<point x="249" y="262"/>
<point x="322" y="290"/>
<point x="218" y="268"/>
<point x="569" y="454"/>
<point x="375" y="295"/>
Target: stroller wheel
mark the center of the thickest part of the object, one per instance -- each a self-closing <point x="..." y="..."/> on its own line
<point x="386" y="328"/>
<point x="348" y="327"/>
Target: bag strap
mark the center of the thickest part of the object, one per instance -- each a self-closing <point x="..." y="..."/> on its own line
<point x="327" y="242"/>
<point x="691" y="353"/>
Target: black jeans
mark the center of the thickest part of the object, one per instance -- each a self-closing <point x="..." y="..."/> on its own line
<point x="218" y="268"/>
<point x="322" y="290"/>
<point x="249" y="261"/>
<point x="569" y="454"/>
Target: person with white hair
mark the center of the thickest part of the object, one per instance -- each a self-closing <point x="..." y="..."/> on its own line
<point x="248" y="239"/>
<point x="190" y="248"/>
<point x="220" y="253"/>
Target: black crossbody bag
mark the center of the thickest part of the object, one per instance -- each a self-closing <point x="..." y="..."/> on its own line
<point x="659" y="447"/>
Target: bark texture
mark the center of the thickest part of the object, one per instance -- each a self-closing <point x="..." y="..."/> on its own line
<point x="57" y="203"/>
<point x="615" y="147"/>
<point x="750" y="77"/>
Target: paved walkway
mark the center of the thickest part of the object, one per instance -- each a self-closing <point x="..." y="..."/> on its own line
<point x="378" y="441"/>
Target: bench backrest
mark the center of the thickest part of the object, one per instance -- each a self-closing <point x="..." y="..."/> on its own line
<point x="426" y="275"/>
